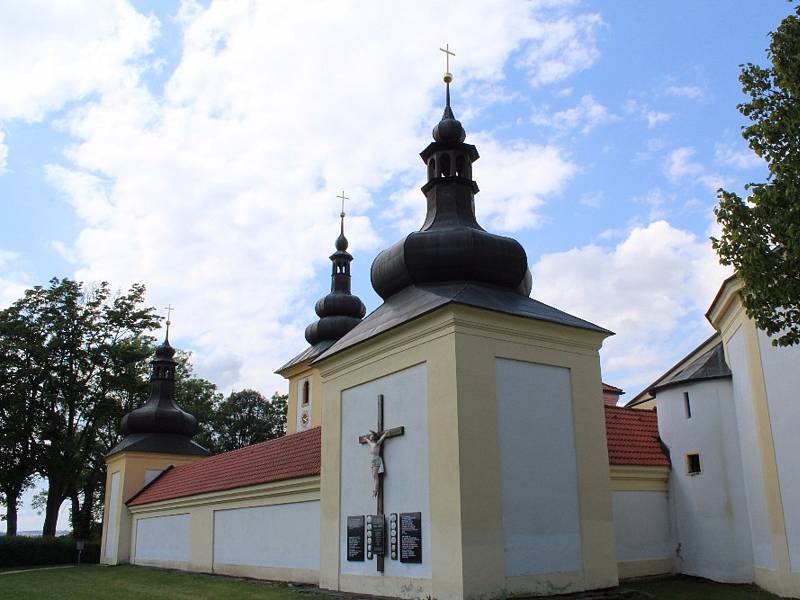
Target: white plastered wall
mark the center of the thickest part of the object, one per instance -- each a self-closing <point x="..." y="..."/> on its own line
<point x="781" y="367"/>
<point x="280" y="535"/>
<point x="164" y="539"/>
<point x="710" y="509"/>
<point x="541" y="516"/>
<point x="268" y="531"/>
<point x="752" y="460"/>
<point x="406" y="461"/>
<point x="112" y="527"/>
<point x="642" y="525"/>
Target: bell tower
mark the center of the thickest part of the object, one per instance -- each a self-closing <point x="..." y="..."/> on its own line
<point x="158" y="435"/>
<point x="339" y="312"/>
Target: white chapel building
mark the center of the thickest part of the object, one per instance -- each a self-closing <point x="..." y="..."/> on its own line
<point x="455" y="443"/>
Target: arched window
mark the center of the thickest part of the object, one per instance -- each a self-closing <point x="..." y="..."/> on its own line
<point x="431" y="168"/>
<point x="445" y="162"/>
<point x="306" y="392"/>
<point x="460" y="166"/>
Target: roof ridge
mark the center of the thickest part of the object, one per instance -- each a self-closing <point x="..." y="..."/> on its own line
<point x="256" y="445"/>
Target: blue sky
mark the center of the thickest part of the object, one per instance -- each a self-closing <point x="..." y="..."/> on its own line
<point x="198" y="148"/>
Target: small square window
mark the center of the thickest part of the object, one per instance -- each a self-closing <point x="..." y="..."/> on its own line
<point x="687" y="405"/>
<point x="693" y="464"/>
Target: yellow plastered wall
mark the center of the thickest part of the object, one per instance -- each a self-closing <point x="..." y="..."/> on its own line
<point x="295" y="376"/>
<point x="727" y="315"/>
<point x="132" y="468"/>
<point x="427" y="340"/>
<point x="460" y="346"/>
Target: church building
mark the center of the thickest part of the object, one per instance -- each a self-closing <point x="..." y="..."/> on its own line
<point x="457" y="442"/>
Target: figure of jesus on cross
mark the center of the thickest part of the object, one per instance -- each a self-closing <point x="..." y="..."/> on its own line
<point x="375" y="443"/>
<point x="375" y="440"/>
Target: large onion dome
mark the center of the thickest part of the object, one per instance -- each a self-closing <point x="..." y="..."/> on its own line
<point x="451" y="246"/>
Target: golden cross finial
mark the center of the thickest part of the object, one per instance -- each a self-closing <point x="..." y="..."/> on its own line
<point x="448" y="77"/>
<point x="169" y="309"/>
<point x="343" y="198"/>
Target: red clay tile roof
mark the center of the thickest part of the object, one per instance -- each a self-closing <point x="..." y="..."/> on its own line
<point x="633" y="437"/>
<point x="295" y="455"/>
<point x="613" y="389"/>
<point x="632" y="440"/>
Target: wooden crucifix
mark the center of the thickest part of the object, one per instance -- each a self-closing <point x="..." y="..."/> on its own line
<point x="375" y="440"/>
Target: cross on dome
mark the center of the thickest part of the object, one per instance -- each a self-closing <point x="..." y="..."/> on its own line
<point x="448" y="76"/>
<point x="169" y="308"/>
<point x="343" y="198"/>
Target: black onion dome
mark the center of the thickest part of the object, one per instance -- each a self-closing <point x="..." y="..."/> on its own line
<point x="161" y="414"/>
<point x="341" y="243"/>
<point x="451" y="246"/>
<point x="449" y="130"/>
<point x="340" y="310"/>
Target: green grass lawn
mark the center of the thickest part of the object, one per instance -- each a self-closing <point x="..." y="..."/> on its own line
<point x="691" y="588"/>
<point x="124" y="583"/>
<point x="93" y="582"/>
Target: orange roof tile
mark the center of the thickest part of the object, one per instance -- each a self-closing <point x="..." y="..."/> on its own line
<point x="295" y="455"/>
<point x="633" y="437"/>
<point x="632" y="440"/>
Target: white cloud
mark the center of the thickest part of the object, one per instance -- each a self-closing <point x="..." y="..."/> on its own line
<point x="14" y="280"/>
<point x="586" y="115"/>
<point x="681" y="167"/>
<point x="561" y="48"/>
<point x="730" y="156"/>
<point x="219" y="195"/>
<point x="85" y="191"/>
<point x="651" y="289"/>
<point x="643" y="111"/>
<point x="54" y="52"/>
<point x="655" y="117"/>
<point x="655" y="201"/>
<point x="693" y="92"/>
<point x="519" y="176"/>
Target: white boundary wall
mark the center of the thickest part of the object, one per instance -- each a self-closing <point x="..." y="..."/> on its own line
<point x="163" y="538"/>
<point x="642" y="525"/>
<point x="280" y="535"/>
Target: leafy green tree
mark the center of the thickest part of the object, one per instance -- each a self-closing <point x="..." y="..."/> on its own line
<point x="91" y="347"/>
<point x="246" y="418"/>
<point x="761" y="236"/>
<point x="22" y="374"/>
<point x="198" y="397"/>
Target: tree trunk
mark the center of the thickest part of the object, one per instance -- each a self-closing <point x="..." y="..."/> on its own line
<point x="55" y="497"/>
<point x="12" y="500"/>
<point x="82" y="514"/>
<point x="75" y="515"/>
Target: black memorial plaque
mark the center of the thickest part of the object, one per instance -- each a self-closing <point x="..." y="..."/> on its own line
<point x="411" y="537"/>
<point x="377" y="528"/>
<point x="355" y="538"/>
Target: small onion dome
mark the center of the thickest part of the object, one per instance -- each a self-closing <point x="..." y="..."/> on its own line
<point x="160" y="414"/>
<point x="164" y="352"/>
<point x="340" y="310"/>
<point x="449" y="130"/>
<point x="341" y="243"/>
